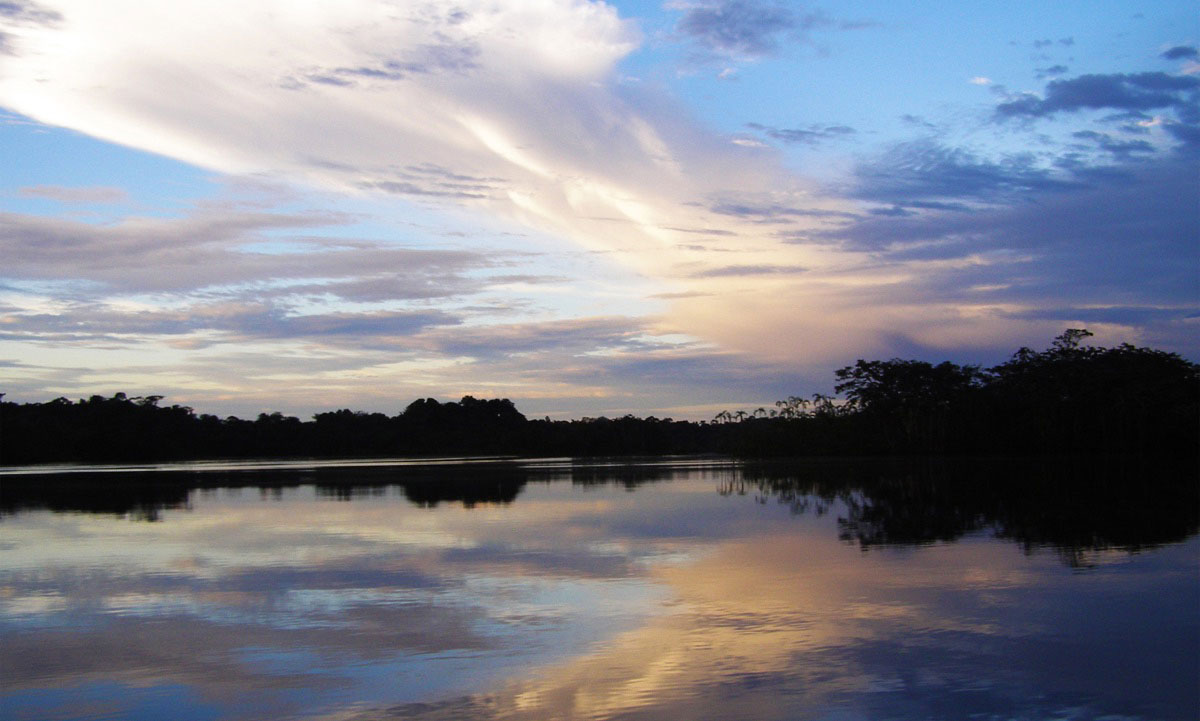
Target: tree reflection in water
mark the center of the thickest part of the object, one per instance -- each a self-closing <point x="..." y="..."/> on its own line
<point x="1075" y="506"/>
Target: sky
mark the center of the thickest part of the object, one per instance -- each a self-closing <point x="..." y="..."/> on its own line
<point x="658" y="208"/>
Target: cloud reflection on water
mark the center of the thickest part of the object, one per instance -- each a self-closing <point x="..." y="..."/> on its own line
<point x="574" y="602"/>
<point x="798" y="627"/>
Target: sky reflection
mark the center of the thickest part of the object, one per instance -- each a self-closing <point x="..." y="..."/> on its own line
<point x="573" y="601"/>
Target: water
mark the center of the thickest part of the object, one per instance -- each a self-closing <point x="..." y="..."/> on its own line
<point x="677" y="589"/>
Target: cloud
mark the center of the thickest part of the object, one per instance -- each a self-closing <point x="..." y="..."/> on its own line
<point x="925" y="170"/>
<point x="434" y="180"/>
<point x="810" y="135"/>
<point x="570" y="336"/>
<point x="1120" y="314"/>
<point x="751" y="29"/>
<point x="757" y="211"/>
<point x="1047" y="42"/>
<point x="87" y="322"/>
<point x="1119" y="148"/>
<point x="27" y="12"/>
<point x="224" y="276"/>
<point x="529" y="127"/>
<point x="708" y="376"/>
<point x="17" y="13"/>
<point x="508" y="111"/>
<point x="918" y="121"/>
<point x="215" y="249"/>
<point x="445" y="56"/>
<point x="1120" y="91"/>
<point x="738" y="27"/>
<point x="1181" y="52"/>
<point x="749" y="270"/>
<point x="1128" y="235"/>
<point x="96" y="195"/>
<point x="1051" y="71"/>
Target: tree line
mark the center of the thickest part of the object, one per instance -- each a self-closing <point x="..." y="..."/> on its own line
<point x="1068" y="398"/>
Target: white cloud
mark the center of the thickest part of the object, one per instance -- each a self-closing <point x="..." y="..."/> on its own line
<point x="507" y="108"/>
<point x="516" y="102"/>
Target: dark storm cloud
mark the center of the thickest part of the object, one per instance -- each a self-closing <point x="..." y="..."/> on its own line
<point x="810" y="135"/>
<point x="1120" y="91"/>
<point x="1181" y="52"/>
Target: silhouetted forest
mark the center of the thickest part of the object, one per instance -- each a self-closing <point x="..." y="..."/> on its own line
<point x="1070" y="398"/>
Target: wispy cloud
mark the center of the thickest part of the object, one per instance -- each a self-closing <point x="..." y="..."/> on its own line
<point x="99" y="195"/>
<point x="808" y="135"/>
<point x="925" y="170"/>
<point x="210" y="249"/>
<point x="749" y="270"/>
<point x="1051" y="71"/>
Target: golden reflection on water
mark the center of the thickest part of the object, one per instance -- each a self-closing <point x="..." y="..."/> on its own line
<point x="770" y="606"/>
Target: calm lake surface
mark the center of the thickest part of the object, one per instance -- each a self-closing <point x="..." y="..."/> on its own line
<point x="672" y="589"/>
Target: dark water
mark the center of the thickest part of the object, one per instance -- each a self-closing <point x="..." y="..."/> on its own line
<point x="679" y="589"/>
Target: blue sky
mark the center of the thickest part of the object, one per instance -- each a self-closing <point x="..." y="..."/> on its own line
<point x="645" y="207"/>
